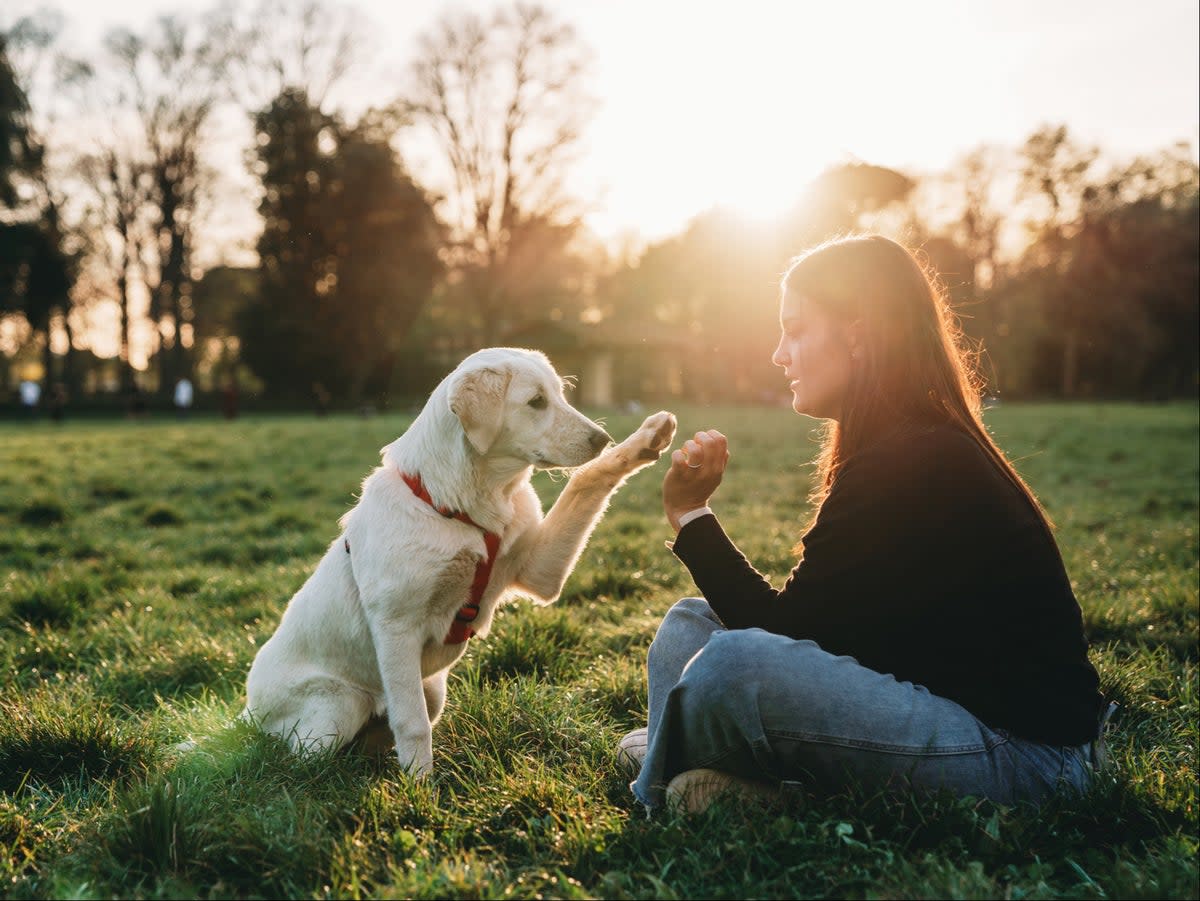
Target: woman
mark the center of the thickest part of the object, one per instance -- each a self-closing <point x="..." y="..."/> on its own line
<point x="929" y="637"/>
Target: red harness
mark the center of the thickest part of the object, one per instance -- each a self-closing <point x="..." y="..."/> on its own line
<point x="460" y="629"/>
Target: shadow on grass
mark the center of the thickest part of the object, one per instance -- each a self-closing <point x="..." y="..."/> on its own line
<point x="47" y="740"/>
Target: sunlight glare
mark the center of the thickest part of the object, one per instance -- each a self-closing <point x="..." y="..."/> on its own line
<point x="745" y="112"/>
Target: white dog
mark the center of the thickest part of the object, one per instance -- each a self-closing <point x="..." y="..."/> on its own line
<point x="444" y="531"/>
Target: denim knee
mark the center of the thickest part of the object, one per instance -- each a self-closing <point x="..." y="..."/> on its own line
<point x="721" y="678"/>
<point x="676" y="619"/>
<point x="737" y="666"/>
<point x="754" y="654"/>
<point x="686" y="607"/>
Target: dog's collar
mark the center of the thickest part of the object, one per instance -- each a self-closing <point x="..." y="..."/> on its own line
<point x="418" y="488"/>
<point x="460" y="629"/>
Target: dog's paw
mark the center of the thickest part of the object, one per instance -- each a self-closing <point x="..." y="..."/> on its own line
<point x="655" y="435"/>
<point x="646" y="444"/>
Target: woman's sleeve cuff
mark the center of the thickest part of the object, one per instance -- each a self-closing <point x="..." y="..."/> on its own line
<point x="690" y="516"/>
<point x="694" y="514"/>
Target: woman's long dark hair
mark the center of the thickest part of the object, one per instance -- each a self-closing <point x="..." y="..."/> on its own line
<point x="912" y="364"/>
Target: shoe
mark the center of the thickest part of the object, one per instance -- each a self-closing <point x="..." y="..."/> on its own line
<point x="631" y="751"/>
<point x="694" y="790"/>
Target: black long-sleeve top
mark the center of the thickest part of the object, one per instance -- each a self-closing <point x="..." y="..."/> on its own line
<point x="925" y="562"/>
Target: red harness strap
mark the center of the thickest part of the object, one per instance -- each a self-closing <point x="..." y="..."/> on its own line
<point x="460" y="629"/>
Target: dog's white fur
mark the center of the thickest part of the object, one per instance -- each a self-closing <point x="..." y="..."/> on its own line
<point x="364" y="636"/>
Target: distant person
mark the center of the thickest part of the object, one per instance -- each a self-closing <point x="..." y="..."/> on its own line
<point x="183" y="397"/>
<point x="31" y="393"/>
<point x="928" y="639"/>
<point x="58" y="402"/>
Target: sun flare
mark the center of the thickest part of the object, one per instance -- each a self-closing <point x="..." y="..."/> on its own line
<point x="743" y="116"/>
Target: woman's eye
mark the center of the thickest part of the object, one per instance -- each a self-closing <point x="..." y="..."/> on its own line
<point x="538" y="403"/>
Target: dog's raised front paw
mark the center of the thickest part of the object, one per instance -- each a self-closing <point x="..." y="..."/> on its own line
<point x="646" y="444"/>
<point x="655" y="435"/>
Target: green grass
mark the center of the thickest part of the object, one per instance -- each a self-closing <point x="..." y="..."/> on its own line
<point x="142" y="564"/>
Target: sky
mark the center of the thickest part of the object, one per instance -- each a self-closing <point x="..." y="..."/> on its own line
<point x="742" y="103"/>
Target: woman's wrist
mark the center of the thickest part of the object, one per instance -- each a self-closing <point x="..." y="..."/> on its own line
<point x="679" y="520"/>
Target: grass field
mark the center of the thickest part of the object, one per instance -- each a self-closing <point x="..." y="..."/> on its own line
<point x="142" y="564"/>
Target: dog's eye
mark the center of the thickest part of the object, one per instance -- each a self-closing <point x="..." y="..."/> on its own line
<point x="538" y="403"/>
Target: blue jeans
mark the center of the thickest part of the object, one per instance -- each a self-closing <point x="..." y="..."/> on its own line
<point x="772" y="708"/>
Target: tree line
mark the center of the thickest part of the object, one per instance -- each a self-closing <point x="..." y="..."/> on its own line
<point x="1073" y="274"/>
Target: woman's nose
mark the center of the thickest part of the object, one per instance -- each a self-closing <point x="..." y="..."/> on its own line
<point x="778" y="357"/>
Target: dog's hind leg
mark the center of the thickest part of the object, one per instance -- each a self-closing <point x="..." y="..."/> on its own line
<point x="325" y="717"/>
<point x="375" y="738"/>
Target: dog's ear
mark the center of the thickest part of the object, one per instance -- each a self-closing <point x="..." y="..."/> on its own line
<point x="478" y="402"/>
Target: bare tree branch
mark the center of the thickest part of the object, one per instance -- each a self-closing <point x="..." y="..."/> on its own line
<point x="503" y="101"/>
<point x="305" y="45"/>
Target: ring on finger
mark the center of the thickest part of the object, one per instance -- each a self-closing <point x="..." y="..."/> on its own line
<point x="694" y="465"/>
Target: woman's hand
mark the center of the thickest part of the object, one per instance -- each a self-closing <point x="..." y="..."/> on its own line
<point x="696" y="471"/>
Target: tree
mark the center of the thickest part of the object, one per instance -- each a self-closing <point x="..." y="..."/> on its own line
<point x="34" y="278"/>
<point x="19" y="156"/>
<point x="1055" y="175"/>
<point x="121" y="225"/>
<point x="348" y="253"/>
<point x="1111" y="275"/>
<point x="1169" y="278"/>
<point x="18" y="159"/>
<point x="837" y="200"/>
<point x="503" y="101"/>
<point x="223" y="295"/>
<point x="715" y="286"/>
<point x="284" y="332"/>
<point x="293" y="45"/>
<point x="36" y="270"/>
<point x="976" y="232"/>
<point x="1133" y="255"/>
<point x="171" y="78"/>
<point x="387" y="262"/>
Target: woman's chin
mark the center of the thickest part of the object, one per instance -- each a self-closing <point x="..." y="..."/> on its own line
<point x="805" y="409"/>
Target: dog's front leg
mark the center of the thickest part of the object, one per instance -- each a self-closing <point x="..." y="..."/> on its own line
<point x="561" y="536"/>
<point x="435" y="695"/>
<point x="398" y="648"/>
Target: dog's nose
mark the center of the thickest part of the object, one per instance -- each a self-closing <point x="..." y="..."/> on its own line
<point x="600" y="439"/>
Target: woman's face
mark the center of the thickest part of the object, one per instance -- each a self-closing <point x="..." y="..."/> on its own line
<point x="815" y="353"/>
